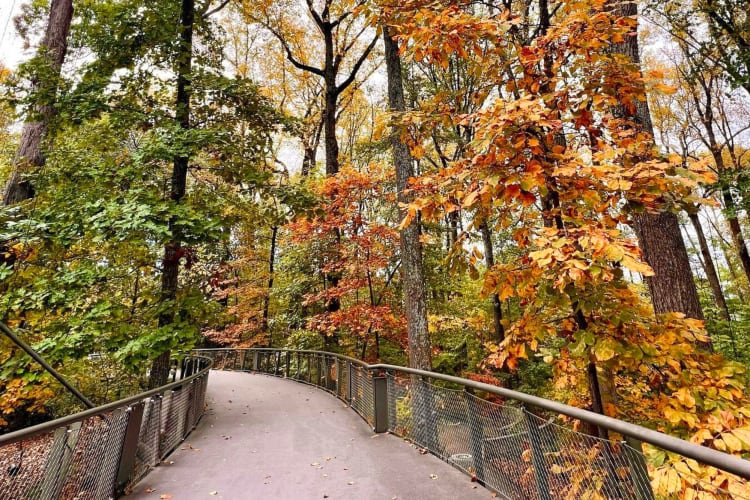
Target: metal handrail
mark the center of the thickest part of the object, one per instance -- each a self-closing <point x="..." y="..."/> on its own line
<point x="730" y="463"/>
<point x="35" y="430"/>
<point x="709" y="456"/>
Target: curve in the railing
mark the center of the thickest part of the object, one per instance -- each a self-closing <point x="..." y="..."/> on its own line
<point x="101" y="452"/>
<point x="507" y="447"/>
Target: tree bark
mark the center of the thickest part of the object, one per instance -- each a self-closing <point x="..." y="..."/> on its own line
<point x="412" y="268"/>
<point x="672" y="287"/>
<point x="173" y="250"/>
<point x="709" y="267"/>
<point x="730" y="212"/>
<point x="497" y="307"/>
<point x="267" y="299"/>
<point x="31" y="153"/>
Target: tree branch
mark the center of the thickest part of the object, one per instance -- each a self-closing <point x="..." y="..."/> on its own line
<point x="206" y="15"/>
<point x="357" y="65"/>
<point x="290" y="56"/>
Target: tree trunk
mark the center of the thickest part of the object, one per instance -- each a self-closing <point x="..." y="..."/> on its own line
<point x="730" y="211"/>
<point x="329" y="117"/>
<point x="173" y="249"/>
<point x="497" y="307"/>
<point x="267" y="299"/>
<point x="31" y="151"/>
<point x="412" y="269"/>
<point x="672" y="287"/>
<point x="709" y="267"/>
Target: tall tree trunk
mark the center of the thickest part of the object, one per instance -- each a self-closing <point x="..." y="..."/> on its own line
<point x="173" y="249"/>
<point x="708" y="266"/>
<point x="730" y="211"/>
<point x="412" y="269"/>
<point x="267" y="299"/>
<point x="329" y="117"/>
<point x="489" y="258"/>
<point x="672" y="287"/>
<point x="724" y="245"/>
<point x="31" y="151"/>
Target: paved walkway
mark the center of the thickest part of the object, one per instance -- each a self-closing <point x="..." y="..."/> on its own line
<point x="269" y="438"/>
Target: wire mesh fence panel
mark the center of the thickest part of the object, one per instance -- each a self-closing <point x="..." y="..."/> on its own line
<point x="496" y="436"/>
<point x="359" y="402"/>
<point x="329" y="373"/>
<point x="93" y="472"/>
<point x="84" y="458"/>
<point x="23" y="466"/>
<point x="72" y="462"/>
<point x="313" y="370"/>
<point x="343" y="380"/>
<point x="147" y="454"/>
<point x="175" y="404"/>
<point x="367" y="398"/>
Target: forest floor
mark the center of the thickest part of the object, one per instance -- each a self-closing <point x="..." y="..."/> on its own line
<point x="268" y="438"/>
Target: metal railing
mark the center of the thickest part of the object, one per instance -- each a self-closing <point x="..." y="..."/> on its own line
<point x="101" y="452"/>
<point x="516" y="448"/>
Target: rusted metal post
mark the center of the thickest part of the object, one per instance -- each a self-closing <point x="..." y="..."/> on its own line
<point x="380" y="393"/>
<point x="129" y="447"/>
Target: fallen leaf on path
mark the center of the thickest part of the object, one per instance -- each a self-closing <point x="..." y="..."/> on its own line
<point x="433" y="476"/>
<point x="165" y="496"/>
<point x="214" y="493"/>
<point x="149" y="490"/>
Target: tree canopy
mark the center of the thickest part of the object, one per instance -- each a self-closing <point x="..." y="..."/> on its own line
<point x="546" y="195"/>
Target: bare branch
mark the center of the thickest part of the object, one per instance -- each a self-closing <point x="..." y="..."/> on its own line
<point x="357" y="65"/>
<point x="211" y="12"/>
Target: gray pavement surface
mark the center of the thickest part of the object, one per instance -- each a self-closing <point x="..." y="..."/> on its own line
<point x="269" y="438"/>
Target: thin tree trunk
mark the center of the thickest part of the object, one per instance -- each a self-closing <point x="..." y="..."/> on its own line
<point x="709" y="267"/>
<point x="412" y="269"/>
<point x="497" y="307"/>
<point x="31" y="153"/>
<point x="173" y="250"/>
<point x="730" y="213"/>
<point x="724" y="245"/>
<point x="672" y="287"/>
<point x="267" y="299"/>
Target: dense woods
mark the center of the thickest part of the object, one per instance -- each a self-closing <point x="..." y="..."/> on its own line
<point x="548" y="195"/>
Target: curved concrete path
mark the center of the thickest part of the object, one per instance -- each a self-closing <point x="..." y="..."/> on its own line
<point x="269" y="438"/>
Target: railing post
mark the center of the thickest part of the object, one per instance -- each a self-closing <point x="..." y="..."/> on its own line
<point x="298" y="376"/>
<point x="639" y="471"/>
<point x="59" y="459"/>
<point x="537" y="458"/>
<point x="380" y="393"/>
<point x="190" y="405"/>
<point x="255" y="361"/>
<point x="129" y="447"/>
<point x="392" y="408"/>
<point x="338" y="377"/>
<point x="323" y="372"/>
<point x="476" y="435"/>
<point x="286" y="364"/>
<point x="349" y="384"/>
